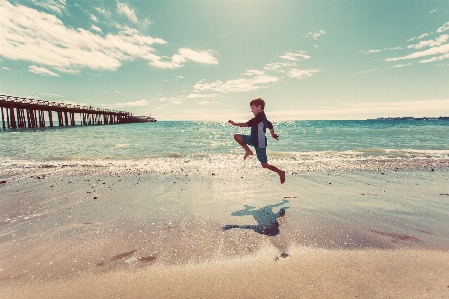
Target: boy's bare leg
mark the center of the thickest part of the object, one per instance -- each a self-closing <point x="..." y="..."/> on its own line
<point x="239" y="140"/>
<point x="281" y="173"/>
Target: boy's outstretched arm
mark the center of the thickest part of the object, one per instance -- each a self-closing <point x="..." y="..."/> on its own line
<point x="279" y="204"/>
<point x="238" y="124"/>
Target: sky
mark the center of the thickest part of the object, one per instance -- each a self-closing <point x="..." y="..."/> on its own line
<point x="206" y="60"/>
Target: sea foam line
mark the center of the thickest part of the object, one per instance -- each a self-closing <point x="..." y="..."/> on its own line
<point x="230" y="164"/>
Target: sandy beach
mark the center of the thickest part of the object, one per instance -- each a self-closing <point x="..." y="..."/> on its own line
<point x="179" y="228"/>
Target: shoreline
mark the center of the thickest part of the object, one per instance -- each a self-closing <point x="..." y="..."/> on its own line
<point x="90" y="225"/>
<point x="175" y="163"/>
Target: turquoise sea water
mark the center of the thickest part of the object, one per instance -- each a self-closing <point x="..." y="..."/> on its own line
<point x="199" y="138"/>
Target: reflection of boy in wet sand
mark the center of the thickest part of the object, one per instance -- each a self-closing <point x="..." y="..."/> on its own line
<point x="267" y="223"/>
<point x="259" y="125"/>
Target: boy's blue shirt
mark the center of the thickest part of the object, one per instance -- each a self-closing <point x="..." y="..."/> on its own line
<point x="259" y="125"/>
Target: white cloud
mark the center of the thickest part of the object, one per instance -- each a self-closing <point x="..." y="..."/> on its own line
<point x="96" y="28"/>
<point x="103" y="12"/>
<point x="94" y="18"/>
<point x="260" y="80"/>
<point x="201" y="96"/>
<point x="278" y="66"/>
<point x="207" y="102"/>
<point x="30" y="35"/>
<point x="67" y="70"/>
<point x="200" y="57"/>
<point x="204" y="114"/>
<point x="41" y="71"/>
<point x="445" y="56"/>
<point x="443" y="49"/>
<point x="123" y="8"/>
<point x="443" y="28"/>
<point x="437" y="47"/>
<point x="315" y="34"/>
<point x="52" y="95"/>
<point x="429" y="108"/>
<point x="176" y="61"/>
<point x="131" y="104"/>
<point x="371" y="51"/>
<point x="415" y="108"/>
<point x="423" y="35"/>
<point x="368" y="71"/>
<point x="172" y="100"/>
<point x="401" y="65"/>
<point x="377" y="51"/>
<point x="57" y="6"/>
<point x="418" y="37"/>
<point x="432" y="11"/>
<point x="263" y="79"/>
<point x="5" y="68"/>
<point x="430" y="43"/>
<point x="254" y="73"/>
<point x="253" y="79"/>
<point x="176" y="101"/>
<point x="295" y="56"/>
<point x="301" y="74"/>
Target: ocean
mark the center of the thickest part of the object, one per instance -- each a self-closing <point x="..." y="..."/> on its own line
<point x="200" y="139"/>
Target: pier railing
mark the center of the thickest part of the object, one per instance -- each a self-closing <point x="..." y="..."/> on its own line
<point x="18" y="112"/>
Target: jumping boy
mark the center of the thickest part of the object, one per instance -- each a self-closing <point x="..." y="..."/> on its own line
<point x="259" y="125"/>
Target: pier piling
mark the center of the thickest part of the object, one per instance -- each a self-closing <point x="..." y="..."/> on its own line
<point x="3" y="119"/>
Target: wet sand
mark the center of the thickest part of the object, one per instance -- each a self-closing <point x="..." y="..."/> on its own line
<point x="176" y="230"/>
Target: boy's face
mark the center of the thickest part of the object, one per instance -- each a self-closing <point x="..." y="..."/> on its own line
<point x="256" y="109"/>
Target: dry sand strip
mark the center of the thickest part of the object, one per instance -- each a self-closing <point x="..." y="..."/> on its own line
<point x="306" y="273"/>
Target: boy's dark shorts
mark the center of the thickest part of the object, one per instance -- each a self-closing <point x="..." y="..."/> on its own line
<point x="260" y="152"/>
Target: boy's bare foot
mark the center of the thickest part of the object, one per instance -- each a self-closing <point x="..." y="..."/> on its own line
<point x="247" y="154"/>
<point x="282" y="176"/>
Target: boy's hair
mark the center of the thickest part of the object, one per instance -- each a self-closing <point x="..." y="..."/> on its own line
<point x="258" y="102"/>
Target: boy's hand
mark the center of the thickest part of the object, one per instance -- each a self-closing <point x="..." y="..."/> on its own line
<point x="231" y="122"/>
<point x="275" y="136"/>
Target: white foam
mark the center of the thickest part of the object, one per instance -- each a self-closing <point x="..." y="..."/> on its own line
<point x="203" y="164"/>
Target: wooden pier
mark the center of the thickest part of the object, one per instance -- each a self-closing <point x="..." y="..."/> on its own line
<point x="20" y="112"/>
